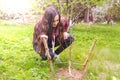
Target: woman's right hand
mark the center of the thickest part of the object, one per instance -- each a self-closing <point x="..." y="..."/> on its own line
<point x="65" y="35"/>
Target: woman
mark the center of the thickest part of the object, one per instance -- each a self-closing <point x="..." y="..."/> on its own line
<point x="54" y="29"/>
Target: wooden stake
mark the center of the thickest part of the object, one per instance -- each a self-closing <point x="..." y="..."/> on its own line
<point x="89" y="54"/>
<point x="48" y="55"/>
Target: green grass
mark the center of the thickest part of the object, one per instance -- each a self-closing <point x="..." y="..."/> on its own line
<point x="18" y="61"/>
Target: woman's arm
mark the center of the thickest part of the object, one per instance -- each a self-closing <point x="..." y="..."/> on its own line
<point x="65" y="24"/>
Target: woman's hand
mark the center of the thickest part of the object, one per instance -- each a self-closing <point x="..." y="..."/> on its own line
<point x="44" y="36"/>
<point x="65" y="35"/>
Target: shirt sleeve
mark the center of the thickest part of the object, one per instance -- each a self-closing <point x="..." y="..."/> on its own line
<point x="65" y="23"/>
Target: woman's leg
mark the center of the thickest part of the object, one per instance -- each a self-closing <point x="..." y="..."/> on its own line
<point x="64" y="45"/>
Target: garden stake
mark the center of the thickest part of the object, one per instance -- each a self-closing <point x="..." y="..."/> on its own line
<point x="70" y="63"/>
<point x="48" y="55"/>
<point x="89" y="54"/>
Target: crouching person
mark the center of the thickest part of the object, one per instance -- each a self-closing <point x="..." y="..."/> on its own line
<point x="54" y="29"/>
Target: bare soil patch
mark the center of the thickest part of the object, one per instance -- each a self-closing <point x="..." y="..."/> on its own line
<point x="63" y="74"/>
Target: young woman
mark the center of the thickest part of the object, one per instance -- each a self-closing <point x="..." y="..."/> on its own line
<point x="54" y="29"/>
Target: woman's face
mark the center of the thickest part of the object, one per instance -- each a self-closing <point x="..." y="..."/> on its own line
<point x="56" y="21"/>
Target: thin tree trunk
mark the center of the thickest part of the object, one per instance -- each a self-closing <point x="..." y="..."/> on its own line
<point x="86" y="15"/>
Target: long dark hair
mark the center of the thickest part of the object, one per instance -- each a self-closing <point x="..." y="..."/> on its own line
<point x="45" y="27"/>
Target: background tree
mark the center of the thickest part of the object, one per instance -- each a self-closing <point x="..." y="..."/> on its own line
<point x="77" y="10"/>
<point x="114" y="10"/>
<point x="82" y="9"/>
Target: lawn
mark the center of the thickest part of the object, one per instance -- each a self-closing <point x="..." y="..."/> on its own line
<point x="18" y="61"/>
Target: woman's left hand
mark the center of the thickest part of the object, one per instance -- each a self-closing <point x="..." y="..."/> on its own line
<point x="66" y="35"/>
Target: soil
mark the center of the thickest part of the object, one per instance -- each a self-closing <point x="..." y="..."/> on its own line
<point x="63" y="74"/>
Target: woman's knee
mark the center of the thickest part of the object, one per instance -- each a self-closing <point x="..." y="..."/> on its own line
<point x="70" y="39"/>
<point x="44" y="57"/>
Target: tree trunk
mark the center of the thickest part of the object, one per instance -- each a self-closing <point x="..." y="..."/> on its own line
<point x="86" y="15"/>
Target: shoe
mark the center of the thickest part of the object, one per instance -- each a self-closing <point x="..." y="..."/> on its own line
<point x="55" y="55"/>
<point x="57" y="59"/>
